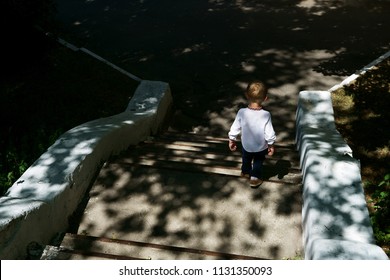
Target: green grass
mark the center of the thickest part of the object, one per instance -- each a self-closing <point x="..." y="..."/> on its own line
<point x="363" y="118"/>
<point x="47" y="93"/>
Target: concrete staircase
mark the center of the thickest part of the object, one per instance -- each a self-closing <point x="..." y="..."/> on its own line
<point x="83" y="247"/>
<point x="179" y="196"/>
<point x="197" y="153"/>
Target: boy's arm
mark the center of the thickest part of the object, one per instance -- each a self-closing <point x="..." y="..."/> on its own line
<point x="235" y="130"/>
<point x="270" y="137"/>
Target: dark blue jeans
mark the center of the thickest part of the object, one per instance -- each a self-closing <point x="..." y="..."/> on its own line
<point x="252" y="163"/>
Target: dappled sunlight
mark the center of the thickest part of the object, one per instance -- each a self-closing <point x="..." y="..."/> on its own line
<point x="179" y="212"/>
<point x="194" y="48"/>
<point x="303" y="63"/>
<point x="72" y="161"/>
<point x="334" y="203"/>
<point x="224" y="119"/>
<point x="339" y="205"/>
<point x="318" y="7"/>
<point x="248" y="67"/>
<point x="188" y="193"/>
<point x="209" y="50"/>
<point x="281" y="106"/>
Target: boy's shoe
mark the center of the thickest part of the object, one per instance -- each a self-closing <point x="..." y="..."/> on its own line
<point x="255" y="182"/>
<point x="246" y="176"/>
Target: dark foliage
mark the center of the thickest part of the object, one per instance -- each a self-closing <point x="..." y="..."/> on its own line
<point x="20" y="21"/>
<point x="38" y="103"/>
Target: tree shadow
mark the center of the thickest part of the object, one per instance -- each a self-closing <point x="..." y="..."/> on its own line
<point x="190" y="208"/>
<point x="208" y="51"/>
<point x="334" y="202"/>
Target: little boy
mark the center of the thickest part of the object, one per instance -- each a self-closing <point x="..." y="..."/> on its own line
<point x="257" y="133"/>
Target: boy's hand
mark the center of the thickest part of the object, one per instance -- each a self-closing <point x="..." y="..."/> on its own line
<point x="232" y="145"/>
<point x="271" y="150"/>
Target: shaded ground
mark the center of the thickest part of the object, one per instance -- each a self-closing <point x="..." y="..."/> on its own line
<point x="184" y="190"/>
<point x="208" y="50"/>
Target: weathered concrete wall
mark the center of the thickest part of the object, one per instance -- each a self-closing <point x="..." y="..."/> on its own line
<point x="336" y="223"/>
<point x="41" y="201"/>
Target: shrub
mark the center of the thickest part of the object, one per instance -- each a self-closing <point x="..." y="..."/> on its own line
<point x="380" y="216"/>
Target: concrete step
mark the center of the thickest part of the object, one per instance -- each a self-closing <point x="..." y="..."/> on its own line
<point x="75" y="246"/>
<point x="206" y="142"/>
<point x="60" y="253"/>
<point x="271" y="175"/>
<point x="198" y="153"/>
<point x="196" y="150"/>
<point x="193" y="137"/>
<point x="187" y="193"/>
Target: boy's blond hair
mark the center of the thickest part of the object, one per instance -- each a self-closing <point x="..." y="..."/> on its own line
<point x="256" y="91"/>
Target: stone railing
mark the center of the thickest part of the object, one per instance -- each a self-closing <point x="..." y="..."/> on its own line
<point x="41" y="201"/>
<point x="336" y="223"/>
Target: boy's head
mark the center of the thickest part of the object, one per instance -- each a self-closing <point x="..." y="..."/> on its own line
<point x="256" y="92"/>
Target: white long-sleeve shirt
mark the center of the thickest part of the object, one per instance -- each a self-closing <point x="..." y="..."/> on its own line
<point x="255" y="127"/>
